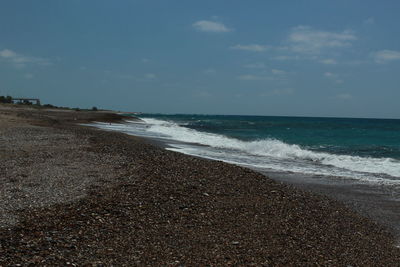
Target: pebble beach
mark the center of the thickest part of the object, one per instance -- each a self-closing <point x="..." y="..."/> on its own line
<point x="74" y="195"/>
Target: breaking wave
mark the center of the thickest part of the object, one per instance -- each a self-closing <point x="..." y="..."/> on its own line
<point x="273" y="148"/>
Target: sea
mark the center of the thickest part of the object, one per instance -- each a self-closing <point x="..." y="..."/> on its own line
<point x="366" y="150"/>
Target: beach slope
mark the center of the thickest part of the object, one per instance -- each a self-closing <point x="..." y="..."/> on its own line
<point x="75" y="195"/>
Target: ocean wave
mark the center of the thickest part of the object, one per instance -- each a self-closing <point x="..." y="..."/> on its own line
<point x="274" y="148"/>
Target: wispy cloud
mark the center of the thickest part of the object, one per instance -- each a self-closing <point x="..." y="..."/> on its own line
<point x="385" y="56"/>
<point x="304" y="39"/>
<point x="210" y="26"/>
<point x="19" y="60"/>
<point x="7" y="53"/>
<point x="328" y="61"/>
<point x="251" y="47"/>
<point x="333" y="76"/>
<point x="305" y="43"/>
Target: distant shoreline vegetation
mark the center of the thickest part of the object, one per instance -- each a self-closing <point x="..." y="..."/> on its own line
<point x="17" y="101"/>
<point x="6" y="99"/>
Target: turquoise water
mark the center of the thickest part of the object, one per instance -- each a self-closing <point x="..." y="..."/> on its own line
<point x="358" y="137"/>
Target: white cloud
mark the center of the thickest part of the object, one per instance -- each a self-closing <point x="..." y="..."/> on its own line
<point x="306" y="43"/>
<point x="334" y="77"/>
<point x="385" y="56"/>
<point x="251" y="47"/>
<point x="257" y="65"/>
<point x="304" y="39"/>
<point x="210" y="26"/>
<point x="19" y="60"/>
<point x="328" y="61"/>
<point x="7" y="53"/>
<point x="251" y="77"/>
<point x="344" y="96"/>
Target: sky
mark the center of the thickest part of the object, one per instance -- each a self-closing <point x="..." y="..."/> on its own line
<point x="320" y="58"/>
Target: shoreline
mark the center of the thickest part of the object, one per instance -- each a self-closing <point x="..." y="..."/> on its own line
<point x="146" y="205"/>
<point x="377" y="202"/>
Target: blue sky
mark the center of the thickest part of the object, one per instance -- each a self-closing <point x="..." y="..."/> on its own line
<point x="296" y="58"/>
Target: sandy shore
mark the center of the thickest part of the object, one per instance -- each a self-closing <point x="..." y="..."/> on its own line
<point x="74" y="195"/>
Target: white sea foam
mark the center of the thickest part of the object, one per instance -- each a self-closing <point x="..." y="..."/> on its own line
<point x="266" y="153"/>
<point x="276" y="149"/>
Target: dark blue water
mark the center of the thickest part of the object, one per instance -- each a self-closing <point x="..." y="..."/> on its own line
<point x="377" y="138"/>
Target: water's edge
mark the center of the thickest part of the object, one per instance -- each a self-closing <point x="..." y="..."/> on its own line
<point x="371" y="200"/>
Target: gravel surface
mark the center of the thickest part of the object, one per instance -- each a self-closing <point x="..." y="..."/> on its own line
<point x="77" y="196"/>
<point x="41" y="166"/>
